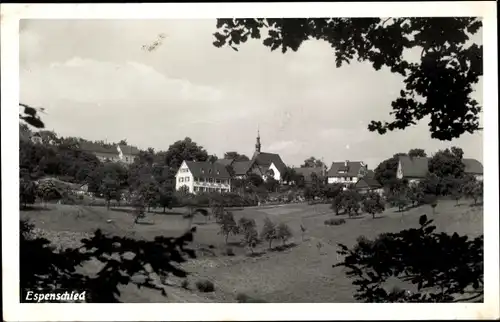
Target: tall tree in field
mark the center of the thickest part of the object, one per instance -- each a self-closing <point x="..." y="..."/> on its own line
<point x="182" y="150"/>
<point x="312" y="162"/>
<point x="417" y="153"/>
<point x="268" y="231"/>
<point x="386" y="171"/>
<point x="373" y="204"/>
<point x="233" y="155"/>
<point x="228" y="225"/>
<point x="447" y="163"/>
<point x="438" y="86"/>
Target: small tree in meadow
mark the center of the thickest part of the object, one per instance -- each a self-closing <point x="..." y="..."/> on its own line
<point x="431" y="200"/>
<point x="456" y="189"/>
<point x="350" y="202"/>
<point x="373" y="204"/>
<point x="283" y="232"/>
<point x="268" y="231"/>
<point x="249" y="231"/>
<point x="337" y="203"/>
<point x="473" y="189"/>
<point x="228" y="225"/>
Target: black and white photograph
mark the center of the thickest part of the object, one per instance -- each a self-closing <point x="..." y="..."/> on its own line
<point x="340" y="154"/>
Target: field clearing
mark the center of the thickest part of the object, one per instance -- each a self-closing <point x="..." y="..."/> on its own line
<point x="302" y="273"/>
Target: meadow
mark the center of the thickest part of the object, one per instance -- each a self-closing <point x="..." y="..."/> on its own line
<point x="301" y="272"/>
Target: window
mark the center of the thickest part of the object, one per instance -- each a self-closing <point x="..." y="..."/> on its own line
<point x="211" y="180"/>
<point x="217" y="181"/>
<point x="181" y="179"/>
<point x="187" y="179"/>
<point x="126" y="159"/>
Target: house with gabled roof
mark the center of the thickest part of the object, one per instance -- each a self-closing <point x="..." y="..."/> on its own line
<point x="308" y="173"/>
<point x="203" y="176"/>
<point x="264" y="164"/>
<point x="114" y="153"/>
<point x="368" y="184"/>
<point x="347" y="172"/>
<point x="414" y="169"/>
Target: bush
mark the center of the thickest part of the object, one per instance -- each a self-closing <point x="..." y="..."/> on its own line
<point x="229" y="251"/>
<point x="243" y="298"/>
<point x="205" y="286"/>
<point x="334" y="222"/>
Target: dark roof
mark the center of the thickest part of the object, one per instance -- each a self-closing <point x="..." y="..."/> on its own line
<point x="130" y="150"/>
<point x="112" y="149"/>
<point x="369" y="174"/>
<point x="414" y="167"/>
<point x="265" y="160"/>
<point x="241" y="168"/>
<point x="208" y="170"/>
<point x="352" y="169"/>
<point x="307" y="172"/>
<point x="472" y="166"/>
<point x="369" y="183"/>
<point x="225" y="162"/>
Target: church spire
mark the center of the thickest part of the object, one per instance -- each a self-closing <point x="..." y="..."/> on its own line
<point x="257" y="144"/>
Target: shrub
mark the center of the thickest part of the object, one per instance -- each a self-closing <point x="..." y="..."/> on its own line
<point x="229" y="251"/>
<point x="205" y="286"/>
<point x="334" y="222"/>
<point x="283" y="232"/>
<point x="268" y="231"/>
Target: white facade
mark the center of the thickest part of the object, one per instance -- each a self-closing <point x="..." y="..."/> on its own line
<point x="184" y="178"/>
<point x="343" y="180"/>
<point x="276" y="173"/>
<point x="399" y="173"/>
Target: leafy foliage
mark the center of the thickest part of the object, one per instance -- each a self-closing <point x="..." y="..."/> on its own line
<point x="283" y="232"/>
<point x="335" y="222"/>
<point x="249" y="230"/>
<point x="268" y="232"/>
<point x="312" y="162"/>
<point x="373" y="203"/>
<point x="438" y="86"/>
<point x="41" y="266"/>
<point x="233" y="155"/>
<point x="442" y="267"/>
<point x="228" y="225"/>
<point x="205" y="286"/>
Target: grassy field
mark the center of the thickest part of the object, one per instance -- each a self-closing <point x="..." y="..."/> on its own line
<point x="302" y="273"/>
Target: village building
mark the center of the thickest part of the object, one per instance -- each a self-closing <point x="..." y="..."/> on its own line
<point x="415" y="169"/>
<point x="203" y="177"/>
<point x="264" y="164"/>
<point x="347" y="172"/>
<point x="368" y="184"/>
<point x="308" y="174"/>
<point x="114" y="153"/>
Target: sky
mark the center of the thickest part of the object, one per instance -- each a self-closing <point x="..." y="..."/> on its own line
<point x="96" y="81"/>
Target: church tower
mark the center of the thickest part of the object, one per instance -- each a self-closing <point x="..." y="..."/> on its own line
<point x="257" y="144"/>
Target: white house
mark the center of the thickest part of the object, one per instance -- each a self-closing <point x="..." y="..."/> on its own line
<point x="203" y="177"/>
<point x="347" y="172"/>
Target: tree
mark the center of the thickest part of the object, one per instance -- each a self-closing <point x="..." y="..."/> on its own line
<point x="431" y="200"/>
<point x="438" y="86"/>
<point x="27" y="192"/>
<point x="47" y="191"/>
<point x="330" y="191"/>
<point x="447" y="163"/>
<point x="268" y="232"/>
<point x="417" y="153"/>
<point x="350" y="202"/>
<point x="42" y="267"/>
<point x="283" y="232"/>
<point x="373" y="204"/>
<point x="271" y="184"/>
<point x="249" y="231"/>
<point x="415" y="194"/>
<point x="386" y="171"/>
<point x="184" y="150"/>
<point x="442" y="267"/>
<point x="337" y="203"/>
<point x="228" y="225"/>
<point x="233" y="155"/>
<point x="110" y="190"/>
<point x="473" y="189"/>
<point x="456" y="189"/>
<point x="166" y="196"/>
<point x="312" y="162"/>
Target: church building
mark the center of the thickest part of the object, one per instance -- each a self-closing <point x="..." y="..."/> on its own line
<point x="264" y="164"/>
